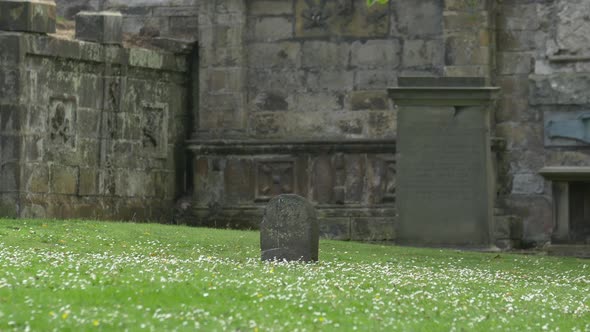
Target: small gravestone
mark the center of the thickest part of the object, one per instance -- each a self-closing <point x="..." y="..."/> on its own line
<point x="289" y="230"/>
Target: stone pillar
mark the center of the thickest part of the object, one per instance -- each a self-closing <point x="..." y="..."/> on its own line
<point x="27" y="16"/>
<point x="12" y="116"/>
<point x="445" y="193"/>
<point x="469" y="35"/>
<point x="222" y="69"/>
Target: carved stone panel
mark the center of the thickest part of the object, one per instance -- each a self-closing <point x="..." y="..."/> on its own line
<point x="154" y="129"/>
<point x="274" y="177"/>
<point x="323" y="180"/>
<point x="317" y="18"/>
<point x="62" y="121"/>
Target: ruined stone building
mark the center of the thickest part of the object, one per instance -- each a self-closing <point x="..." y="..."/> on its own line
<point x="211" y="107"/>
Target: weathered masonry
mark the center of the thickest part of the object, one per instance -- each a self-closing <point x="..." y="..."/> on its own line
<point x="237" y="101"/>
<point x="88" y="130"/>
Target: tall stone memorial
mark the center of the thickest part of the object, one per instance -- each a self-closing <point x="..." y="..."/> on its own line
<point x="445" y="177"/>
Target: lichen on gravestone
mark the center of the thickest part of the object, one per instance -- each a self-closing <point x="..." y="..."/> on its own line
<point x="289" y="230"/>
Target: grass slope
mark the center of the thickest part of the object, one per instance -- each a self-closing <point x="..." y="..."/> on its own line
<point x="76" y="276"/>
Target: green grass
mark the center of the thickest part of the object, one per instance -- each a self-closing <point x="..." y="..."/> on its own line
<point x="73" y="276"/>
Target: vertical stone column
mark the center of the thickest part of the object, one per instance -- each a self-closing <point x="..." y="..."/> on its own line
<point x="12" y="115"/>
<point x="17" y="16"/>
<point x="445" y="193"/>
<point x="222" y="69"/>
<point x="469" y="35"/>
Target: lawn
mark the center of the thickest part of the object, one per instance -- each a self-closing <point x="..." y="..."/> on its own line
<point x="68" y="275"/>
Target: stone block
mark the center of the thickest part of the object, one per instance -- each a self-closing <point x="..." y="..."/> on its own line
<point x="10" y="85"/>
<point x="274" y="28"/>
<point x="239" y="181"/>
<point x="184" y="26"/>
<point x="325" y="54"/>
<point x="560" y="89"/>
<point x="462" y="49"/>
<point x="9" y="176"/>
<point x="467" y="5"/>
<point x="11" y="118"/>
<point x="64" y="179"/>
<point x="420" y="18"/>
<point x="9" y="206"/>
<point x="274" y="55"/>
<point x="274" y="7"/>
<point x="521" y="136"/>
<point x="373" y="229"/>
<point x="272" y="101"/>
<point x="10" y="148"/>
<point x="516" y="40"/>
<point x="467" y="71"/>
<point x="422" y="53"/>
<point x="515" y="63"/>
<point x="335" y="228"/>
<point x="289" y="230"/>
<point x="100" y="27"/>
<point x="383" y="54"/>
<point x="27" y="15"/>
<point x="454" y="21"/>
<point x="319" y="18"/>
<point x="13" y="49"/>
<point x="519" y="17"/>
<point x="146" y="25"/>
<point x="537" y="213"/>
<point x="88" y="182"/>
<point x="319" y="102"/>
<point x="37" y="178"/>
<point x="369" y="100"/>
<point x="334" y="80"/>
<point x="171" y="11"/>
<point x="374" y="79"/>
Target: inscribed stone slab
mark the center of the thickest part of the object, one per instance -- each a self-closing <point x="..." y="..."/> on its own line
<point x="289" y="230"/>
<point x="443" y="175"/>
<point x="567" y="128"/>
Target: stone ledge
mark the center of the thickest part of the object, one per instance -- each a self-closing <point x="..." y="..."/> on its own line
<point x="93" y="52"/>
<point x="442" y="96"/>
<point x="262" y="147"/>
<point x="566" y="173"/>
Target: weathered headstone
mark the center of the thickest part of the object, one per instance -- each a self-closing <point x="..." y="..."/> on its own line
<point x="445" y="178"/>
<point x="100" y="27"/>
<point x="27" y="15"/>
<point x="289" y="230"/>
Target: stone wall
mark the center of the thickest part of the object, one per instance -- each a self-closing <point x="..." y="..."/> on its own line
<point x="300" y="86"/>
<point x="542" y="70"/>
<point x="326" y="77"/>
<point x="288" y="96"/>
<point x="90" y="131"/>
